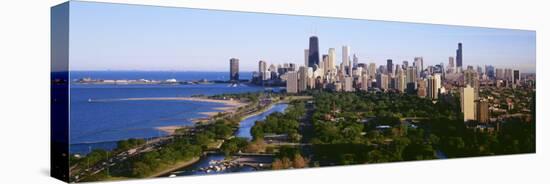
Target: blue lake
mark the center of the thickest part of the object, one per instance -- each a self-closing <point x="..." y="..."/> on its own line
<point x="99" y="124"/>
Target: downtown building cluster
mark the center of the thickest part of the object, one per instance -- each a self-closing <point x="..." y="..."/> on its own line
<point x="327" y="71"/>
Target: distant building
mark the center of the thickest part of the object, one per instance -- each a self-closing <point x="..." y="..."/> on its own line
<point x="401" y="82"/>
<point x="419" y="64"/>
<point x="467" y="103"/>
<point x="383" y="81"/>
<point x="459" y="58"/>
<point x="348" y="84"/>
<point x="292" y="82"/>
<point x="262" y="70"/>
<point x="331" y="59"/>
<point x="372" y="70"/>
<point x="471" y="78"/>
<point x="365" y="82"/>
<point x="451" y="62"/>
<point x="499" y="74"/>
<point x="490" y="71"/>
<point x="516" y="77"/>
<point x="433" y="89"/>
<point x="508" y="75"/>
<point x="345" y="60"/>
<point x="326" y="63"/>
<point x="302" y="78"/>
<point x="482" y="110"/>
<point x="389" y="66"/>
<point x="234" y="69"/>
<point x="411" y="74"/>
<point x="421" y="90"/>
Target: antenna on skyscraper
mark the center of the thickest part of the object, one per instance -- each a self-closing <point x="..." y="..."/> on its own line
<point x="315" y="30"/>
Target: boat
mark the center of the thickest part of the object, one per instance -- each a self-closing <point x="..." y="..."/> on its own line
<point x="172" y="175"/>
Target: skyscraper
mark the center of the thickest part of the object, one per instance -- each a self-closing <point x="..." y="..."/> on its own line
<point x="372" y="70"/>
<point x="326" y="63"/>
<point x="234" y="70"/>
<point x="434" y="83"/>
<point x="471" y="78"/>
<point x="262" y="69"/>
<point x="437" y="78"/>
<point x="389" y="66"/>
<point x="411" y="74"/>
<point x="482" y="111"/>
<point x="401" y="82"/>
<point x="517" y="77"/>
<point x="467" y="103"/>
<point x="345" y="60"/>
<point x="459" y="58"/>
<point x="348" y="84"/>
<point x="331" y="59"/>
<point x="313" y="58"/>
<point x="451" y="65"/>
<point x="419" y="64"/>
<point x="490" y="70"/>
<point x="292" y="82"/>
<point x="421" y="89"/>
<point x="508" y="74"/>
<point x="345" y="55"/>
<point x="383" y="81"/>
<point x="365" y="82"/>
<point x="499" y="74"/>
<point x="405" y="65"/>
<point x="302" y="78"/>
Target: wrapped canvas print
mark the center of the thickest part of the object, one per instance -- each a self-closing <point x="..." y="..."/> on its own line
<point x="148" y="91"/>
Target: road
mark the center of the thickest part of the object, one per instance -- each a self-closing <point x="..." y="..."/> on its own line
<point x="150" y="145"/>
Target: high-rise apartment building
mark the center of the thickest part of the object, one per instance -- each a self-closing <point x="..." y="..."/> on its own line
<point x="467" y="103"/>
<point x="234" y="69"/>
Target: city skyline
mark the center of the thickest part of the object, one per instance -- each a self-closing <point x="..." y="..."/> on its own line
<point x="156" y="40"/>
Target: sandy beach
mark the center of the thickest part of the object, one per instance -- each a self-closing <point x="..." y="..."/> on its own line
<point x="230" y="107"/>
<point x="170" y="130"/>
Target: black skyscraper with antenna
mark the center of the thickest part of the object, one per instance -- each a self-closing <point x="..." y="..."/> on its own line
<point x="459" y="56"/>
<point x="313" y="58"/>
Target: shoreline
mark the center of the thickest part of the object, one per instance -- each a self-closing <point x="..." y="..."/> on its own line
<point x="263" y="110"/>
<point x="230" y="106"/>
<point x="170" y="130"/>
<point x="192" y="99"/>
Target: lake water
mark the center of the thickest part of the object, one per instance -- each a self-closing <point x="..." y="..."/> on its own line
<point x="246" y="125"/>
<point x="99" y="123"/>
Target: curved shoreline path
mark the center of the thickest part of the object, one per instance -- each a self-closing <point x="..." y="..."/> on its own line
<point x="229" y="107"/>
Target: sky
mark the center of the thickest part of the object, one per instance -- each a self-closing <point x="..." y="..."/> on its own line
<point x="132" y="37"/>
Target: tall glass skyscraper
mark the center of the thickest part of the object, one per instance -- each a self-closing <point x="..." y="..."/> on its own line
<point x="389" y="66"/>
<point x="313" y="58"/>
<point x="459" y="56"/>
<point x="234" y="69"/>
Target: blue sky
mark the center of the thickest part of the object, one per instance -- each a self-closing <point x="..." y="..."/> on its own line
<point x="130" y="37"/>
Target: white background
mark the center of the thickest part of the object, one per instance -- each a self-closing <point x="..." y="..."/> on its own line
<point x="24" y="90"/>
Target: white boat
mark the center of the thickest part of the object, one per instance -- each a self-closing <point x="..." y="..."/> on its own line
<point x="172" y="175"/>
